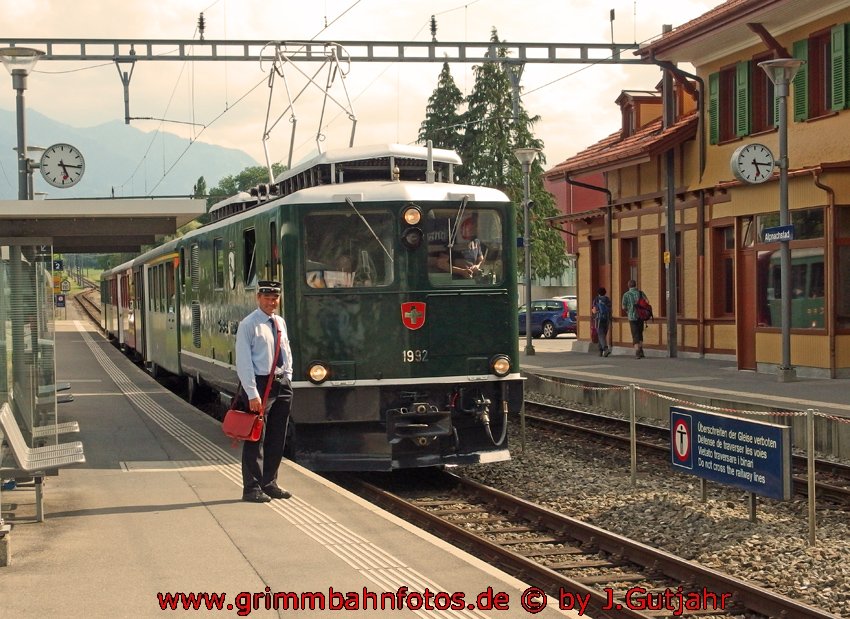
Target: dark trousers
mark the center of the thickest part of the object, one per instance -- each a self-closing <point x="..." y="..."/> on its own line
<point x="261" y="459"/>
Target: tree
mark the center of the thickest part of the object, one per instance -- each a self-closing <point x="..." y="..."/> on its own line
<point x="493" y="131"/>
<point x="443" y="123"/>
<point x="247" y="178"/>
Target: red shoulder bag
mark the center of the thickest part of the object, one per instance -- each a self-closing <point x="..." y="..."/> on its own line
<point x="248" y="426"/>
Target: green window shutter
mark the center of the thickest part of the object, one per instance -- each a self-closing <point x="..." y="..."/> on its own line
<point x="742" y="99"/>
<point x="713" y="102"/>
<point x="839" y="67"/>
<point x="801" y="82"/>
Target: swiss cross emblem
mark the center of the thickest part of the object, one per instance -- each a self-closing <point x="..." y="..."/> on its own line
<point x="413" y="314"/>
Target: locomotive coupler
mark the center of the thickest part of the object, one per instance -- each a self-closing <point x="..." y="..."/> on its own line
<point x="421" y="421"/>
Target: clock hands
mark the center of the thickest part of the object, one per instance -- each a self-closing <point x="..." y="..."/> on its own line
<point x="759" y="164"/>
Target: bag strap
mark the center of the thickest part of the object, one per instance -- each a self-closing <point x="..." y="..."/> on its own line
<point x="271" y="372"/>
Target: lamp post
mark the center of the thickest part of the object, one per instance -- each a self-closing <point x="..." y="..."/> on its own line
<point x="781" y="72"/>
<point x="20" y="61"/>
<point x="526" y="157"/>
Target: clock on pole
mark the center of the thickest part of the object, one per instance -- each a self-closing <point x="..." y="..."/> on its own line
<point x="62" y="165"/>
<point x="752" y="163"/>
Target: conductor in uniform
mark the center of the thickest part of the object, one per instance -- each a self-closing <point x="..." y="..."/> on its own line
<point x="255" y="345"/>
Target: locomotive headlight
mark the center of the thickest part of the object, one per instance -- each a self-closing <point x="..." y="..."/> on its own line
<point x="412" y="215"/>
<point x="501" y="365"/>
<point x="412" y="238"/>
<point x="317" y="373"/>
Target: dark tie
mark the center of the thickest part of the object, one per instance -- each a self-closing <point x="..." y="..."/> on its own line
<point x="279" y="363"/>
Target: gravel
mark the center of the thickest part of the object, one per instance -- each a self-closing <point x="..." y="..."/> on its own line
<point x="589" y="481"/>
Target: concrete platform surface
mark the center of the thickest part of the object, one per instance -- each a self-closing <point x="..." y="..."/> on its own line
<point x="156" y="510"/>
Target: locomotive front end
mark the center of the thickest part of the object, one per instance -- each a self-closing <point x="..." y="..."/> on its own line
<point x="407" y="347"/>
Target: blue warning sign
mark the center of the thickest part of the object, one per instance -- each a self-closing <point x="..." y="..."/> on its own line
<point x="751" y="455"/>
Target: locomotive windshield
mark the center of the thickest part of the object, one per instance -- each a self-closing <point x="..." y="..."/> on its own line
<point x="348" y="249"/>
<point x="464" y="246"/>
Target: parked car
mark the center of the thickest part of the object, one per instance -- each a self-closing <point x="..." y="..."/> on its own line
<point x="549" y="318"/>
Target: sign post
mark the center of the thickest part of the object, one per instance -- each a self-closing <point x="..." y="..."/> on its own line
<point x="751" y="455"/>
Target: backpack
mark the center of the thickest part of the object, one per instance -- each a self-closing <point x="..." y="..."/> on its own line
<point x="643" y="309"/>
<point x="603" y="310"/>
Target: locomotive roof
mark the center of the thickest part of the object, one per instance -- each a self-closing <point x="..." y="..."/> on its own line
<point x="365" y="153"/>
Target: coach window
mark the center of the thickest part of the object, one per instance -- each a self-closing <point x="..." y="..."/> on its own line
<point x="249" y="258"/>
<point x="352" y="249"/>
<point x="218" y="262"/>
<point x="275" y="256"/>
<point x="464" y="246"/>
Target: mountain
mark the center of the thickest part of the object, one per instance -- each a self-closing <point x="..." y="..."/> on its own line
<point x="115" y="159"/>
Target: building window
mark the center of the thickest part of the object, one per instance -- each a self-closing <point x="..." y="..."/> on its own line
<point x="820" y="85"/>
<point x="762" y="98"/>
<point x="629" y="262"/>
<point x="729" y="103"/>
<point x="723" y="276"/>
<point x="808" y="223"/>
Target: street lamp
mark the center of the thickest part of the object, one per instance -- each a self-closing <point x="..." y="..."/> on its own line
<point x="526" y="157"/>
<point x="781" y="72"/>
<point x="20" y="61"/>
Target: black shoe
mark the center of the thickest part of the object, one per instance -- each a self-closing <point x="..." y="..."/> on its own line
<point x="277" y="493"/>
<point x="255" y="496"/>
<point x="607" y="352"/>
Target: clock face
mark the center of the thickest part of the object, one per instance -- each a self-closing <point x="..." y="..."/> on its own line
<point x="752" y="163"/>
<point x="62" y="165"/>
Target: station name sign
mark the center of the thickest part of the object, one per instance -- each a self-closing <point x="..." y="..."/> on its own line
<point x="751" y="455"/>
<point x="778" y="234"/>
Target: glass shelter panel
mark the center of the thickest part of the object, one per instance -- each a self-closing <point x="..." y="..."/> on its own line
<point x="27" y="335"/>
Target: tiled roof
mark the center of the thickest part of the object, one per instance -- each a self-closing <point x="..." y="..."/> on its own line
<point x="731" y="11"/>
<point x="650" y="140"/>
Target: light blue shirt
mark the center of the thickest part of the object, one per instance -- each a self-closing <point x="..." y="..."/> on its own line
<point x="255" y="344"/>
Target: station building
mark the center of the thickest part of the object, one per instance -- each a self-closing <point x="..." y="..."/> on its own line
<point x="675" y="163"/>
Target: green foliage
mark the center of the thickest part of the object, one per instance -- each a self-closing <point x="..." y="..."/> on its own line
<point x="443" y="123"/>
<point x="247" y="178"/>
<point x="493" y="129"/>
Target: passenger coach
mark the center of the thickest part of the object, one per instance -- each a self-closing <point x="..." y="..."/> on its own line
<point x="399" y="291"/>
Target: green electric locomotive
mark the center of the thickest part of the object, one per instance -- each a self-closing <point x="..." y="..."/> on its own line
<point x="399" y="292"/>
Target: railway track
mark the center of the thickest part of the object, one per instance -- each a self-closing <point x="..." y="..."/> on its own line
<point x="834" y="485"/>
<point x="90" y="307"/>
<point x="581" y="566"/>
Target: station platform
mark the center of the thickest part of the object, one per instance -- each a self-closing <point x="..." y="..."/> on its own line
<point x="713" y="379"/>
<point x="156" y="510"/>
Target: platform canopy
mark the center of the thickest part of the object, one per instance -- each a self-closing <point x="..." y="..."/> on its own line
<point x="97" y="226"/>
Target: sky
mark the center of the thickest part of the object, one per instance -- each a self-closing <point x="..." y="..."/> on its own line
<point x="575" y="102"/>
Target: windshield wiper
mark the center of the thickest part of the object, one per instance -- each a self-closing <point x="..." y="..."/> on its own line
<point x="458" y="218"/>
<point x="366" y="223"/>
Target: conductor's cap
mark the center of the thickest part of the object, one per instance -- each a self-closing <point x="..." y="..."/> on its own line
<point x="268" y="287"/>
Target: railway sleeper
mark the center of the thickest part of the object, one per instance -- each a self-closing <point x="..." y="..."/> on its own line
<point x="549" y="552"/>
<point x="569" y="565"/>
<point x="603" y="578"/>
<point x="529" y="540"/>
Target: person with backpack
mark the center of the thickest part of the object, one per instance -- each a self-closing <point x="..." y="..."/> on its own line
<point x="639" y="311"/>
<point x="601" y="311"/>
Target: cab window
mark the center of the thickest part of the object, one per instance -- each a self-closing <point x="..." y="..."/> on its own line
<point x="353" y="249"/>
<point x="464" y="246"/>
